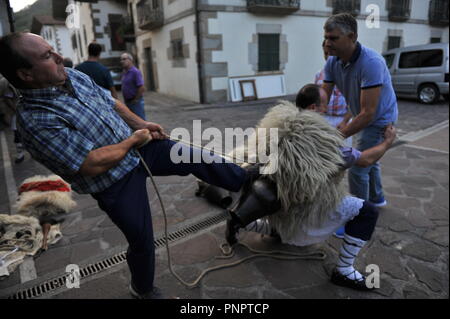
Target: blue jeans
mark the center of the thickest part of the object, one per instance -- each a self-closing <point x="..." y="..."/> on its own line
<point x="126" y="202"/>
<point x="138" y="108"/>
<point x="365" y="182"/>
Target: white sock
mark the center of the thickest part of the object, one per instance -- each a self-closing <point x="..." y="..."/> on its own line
<point x="349" y="250"/>
<point x="259" y="226"/>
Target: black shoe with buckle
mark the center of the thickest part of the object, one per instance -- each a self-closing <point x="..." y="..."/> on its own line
<point x="339" y="279"/>
<point x="231" y="230"/>
<point x="155" y="293"/>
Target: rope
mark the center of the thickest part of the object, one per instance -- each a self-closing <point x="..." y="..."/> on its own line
<point x="234" y="158"/>
<point x="228" y="252"/>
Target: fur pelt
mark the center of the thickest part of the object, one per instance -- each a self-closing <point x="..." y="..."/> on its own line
<point x="306" y="169"/>
<point x="35" y="207"/>
<point x="37" y="203"/>
<point x="24" y="232"/>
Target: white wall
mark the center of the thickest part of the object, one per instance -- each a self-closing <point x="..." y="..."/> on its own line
<point x="48" y="34"/>
<point x="240" y="3"/>
<point x="304" y="37"/>
<point x="419" y="9"/>
<point x="176" y="7"/>
<point x="107" y="7"/>
<point x="176" y="81"/>
<point x="317" y="5"/>
<point x="63" y="34"/>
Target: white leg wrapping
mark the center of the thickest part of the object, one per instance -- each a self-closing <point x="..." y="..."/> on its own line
<point x="349" y="250"/>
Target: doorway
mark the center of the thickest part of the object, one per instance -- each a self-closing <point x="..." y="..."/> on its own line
<point x="150" y="74"/>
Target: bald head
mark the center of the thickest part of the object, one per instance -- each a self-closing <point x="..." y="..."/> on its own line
<point x="30" y="62"/>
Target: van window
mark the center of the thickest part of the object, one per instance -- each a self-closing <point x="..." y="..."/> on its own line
<point x="431" y="58"/>
<point x="421" y="59"/>
<point x="409" y="60"/>
<point x="389" y="59"/>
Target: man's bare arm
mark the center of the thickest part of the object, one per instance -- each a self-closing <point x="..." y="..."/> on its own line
<point x="137" y="123"/>
<point x="373" y="154"/>
<point x="133" y="121"/>
<point x="345" y="120"/>
<point x="114" y="92"/>
<point x="369" y="103"/>
<point x="104" y="158"/>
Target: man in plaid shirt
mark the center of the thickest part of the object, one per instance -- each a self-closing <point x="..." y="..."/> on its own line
<point x="77" y="130"/>
<point x="336" y="112"/>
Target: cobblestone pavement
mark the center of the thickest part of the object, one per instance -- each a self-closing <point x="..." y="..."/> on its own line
<point x="410" y="245"/>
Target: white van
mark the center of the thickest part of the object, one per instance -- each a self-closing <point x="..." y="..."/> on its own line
<point x="421" y="70"/>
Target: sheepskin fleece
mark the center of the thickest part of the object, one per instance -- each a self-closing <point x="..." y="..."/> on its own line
<point x="36" y="203"/>
<point x="306" y="169"/>
<point x="30" y="240"/>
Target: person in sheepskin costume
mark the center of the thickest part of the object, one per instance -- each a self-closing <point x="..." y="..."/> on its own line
<point x="303" y="199"/>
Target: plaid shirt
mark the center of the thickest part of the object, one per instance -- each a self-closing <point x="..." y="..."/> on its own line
<point x="61" y="125"/>
<point x="337" y="105"/>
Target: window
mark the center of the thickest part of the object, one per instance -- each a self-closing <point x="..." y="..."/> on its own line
<point x="350" y="6"/>
<point x="435" y="40"/>
<point x="177" y="49"/>
<point x="394" y="42"/>
<point x="268" y="52"/>
<point x="80" y="45"/>
<point x="117" y="40"/>
<point x="389" y="59"/>
<point x="85" y="36"/>
<point x="409" y="60"/>
<point x="431" y="58"/>
<point x="424" y="59"/>
<point x="74" y="41"/>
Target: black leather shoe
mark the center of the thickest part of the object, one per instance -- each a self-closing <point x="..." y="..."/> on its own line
<point x="155" y="293"/>
<point x="231" y="231"/>
<point x="339" y="279"/>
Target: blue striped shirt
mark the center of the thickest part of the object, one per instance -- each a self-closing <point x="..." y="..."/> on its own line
<point x="61" y="125"/>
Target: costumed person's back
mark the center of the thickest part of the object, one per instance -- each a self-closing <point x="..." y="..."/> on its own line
<point x="307" y="169"/>
<point x="302" y="197"/>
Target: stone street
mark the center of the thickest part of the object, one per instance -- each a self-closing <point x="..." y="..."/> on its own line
<point x="410" y="245"/>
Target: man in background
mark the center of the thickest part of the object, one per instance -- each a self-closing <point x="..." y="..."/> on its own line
<point x="99" y="73"/>
<point x="132" y="86"/>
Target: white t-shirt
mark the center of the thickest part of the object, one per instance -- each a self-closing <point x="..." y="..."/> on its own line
<point x="346" y="211"/>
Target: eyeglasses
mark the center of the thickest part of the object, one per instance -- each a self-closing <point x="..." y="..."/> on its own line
<point x="123" y="59"/>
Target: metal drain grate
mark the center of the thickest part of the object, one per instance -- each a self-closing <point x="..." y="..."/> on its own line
<point x="92" y="269"/>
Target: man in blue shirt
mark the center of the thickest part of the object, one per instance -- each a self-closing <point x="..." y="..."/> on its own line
<point x="362" y="76"/>
<point x="96" y="71"/>
<point x="77" y="130"/>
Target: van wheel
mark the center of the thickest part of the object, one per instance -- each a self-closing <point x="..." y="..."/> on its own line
<point x="428" y="94"/>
